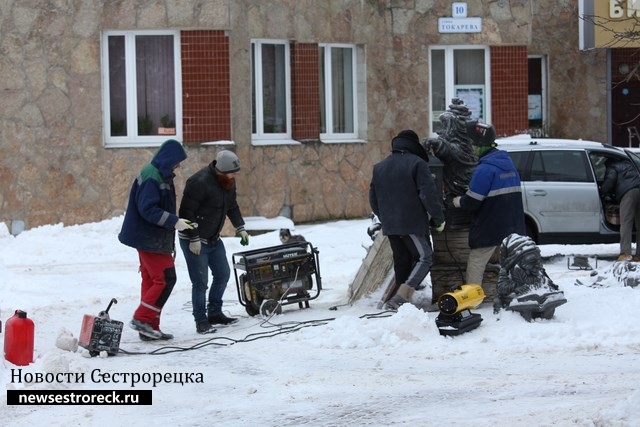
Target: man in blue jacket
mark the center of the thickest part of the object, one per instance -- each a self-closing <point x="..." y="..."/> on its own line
<point x="149" y="226"/>
<point x="403" y="195"/>
<point x="494" y="199"/>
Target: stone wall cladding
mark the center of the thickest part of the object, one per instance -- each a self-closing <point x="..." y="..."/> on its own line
<point x="53" y="164"/>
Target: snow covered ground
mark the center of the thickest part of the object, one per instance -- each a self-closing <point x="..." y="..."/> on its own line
<point x="320" y="367"/>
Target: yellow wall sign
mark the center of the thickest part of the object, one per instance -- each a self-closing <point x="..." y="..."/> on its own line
<point x="612" y="22"/>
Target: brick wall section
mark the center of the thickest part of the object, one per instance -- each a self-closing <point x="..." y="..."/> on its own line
<point x="206" y="100"/>
<point x="305" y="91"/>
<point x="509" y="89"/>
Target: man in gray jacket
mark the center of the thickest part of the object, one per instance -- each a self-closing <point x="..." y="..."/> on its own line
<point x="403" y="195"/>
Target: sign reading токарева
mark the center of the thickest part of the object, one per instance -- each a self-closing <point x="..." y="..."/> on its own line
<point x="460" y="25"/>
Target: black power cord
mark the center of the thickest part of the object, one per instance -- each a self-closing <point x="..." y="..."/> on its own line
<point x="226" y="341"/>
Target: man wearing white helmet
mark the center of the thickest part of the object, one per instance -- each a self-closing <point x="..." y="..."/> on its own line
<point x="209" y="197"/>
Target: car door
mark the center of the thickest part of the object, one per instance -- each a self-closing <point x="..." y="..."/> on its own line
<point x="634" y="158"/>
<point x="561" y="193"/>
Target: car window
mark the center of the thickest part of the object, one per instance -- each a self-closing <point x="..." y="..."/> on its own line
<point x="599" y="168"/>
<point x="519" y="159"/>
<point x="558" y="165"/>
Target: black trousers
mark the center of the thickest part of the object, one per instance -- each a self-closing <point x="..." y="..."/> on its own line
<point x="412" y="258"/>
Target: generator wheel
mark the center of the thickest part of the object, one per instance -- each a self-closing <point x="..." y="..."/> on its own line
<point x="251" y="309"/>
<point x="270" y="306"/>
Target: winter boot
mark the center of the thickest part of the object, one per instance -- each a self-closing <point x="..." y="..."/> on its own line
<point x="221" y="319"/>
<point x="163" y="337"/>
<point x="403" y="294"/>
<point x="205" y="328"/>
<point x="145" y="329"/>
<point x="625" y="257"/>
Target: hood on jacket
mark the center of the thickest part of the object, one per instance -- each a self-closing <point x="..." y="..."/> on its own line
<point x="408" y="141"/>
<point x="498" y="158"/>
<point x="170" y="153"/>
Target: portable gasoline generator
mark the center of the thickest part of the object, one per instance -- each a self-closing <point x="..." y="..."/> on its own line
<point x="277" y="276"/>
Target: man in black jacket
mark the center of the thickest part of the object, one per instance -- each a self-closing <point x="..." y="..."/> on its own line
<point x="210" y="196"/>
<point x="622" y="180"/>
<point x="403" y="195"/>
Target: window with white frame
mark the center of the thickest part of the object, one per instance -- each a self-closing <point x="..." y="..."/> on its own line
<point x="459" y="72"/>
<point x="338" y="92"/>
<point x="270" y="91"/>
<point x="141" y="87"/>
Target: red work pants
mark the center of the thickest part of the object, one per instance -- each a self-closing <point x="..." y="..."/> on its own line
<point x="158" y="279"/>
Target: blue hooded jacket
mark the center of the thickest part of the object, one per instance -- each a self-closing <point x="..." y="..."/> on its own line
<point x="495" y="200"/>
<point x="149" y="222"/>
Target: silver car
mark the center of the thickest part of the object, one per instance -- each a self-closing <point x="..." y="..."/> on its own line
<point x="560" y="183"/>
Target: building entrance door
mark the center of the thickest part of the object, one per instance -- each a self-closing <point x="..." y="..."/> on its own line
<point x="625" y="113"/>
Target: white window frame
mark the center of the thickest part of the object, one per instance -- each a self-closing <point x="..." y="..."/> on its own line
<point x="329" y="136"/>
<point x="132" y="139"/>
<point x="449" y="78"/>
<point x="260" y="137"/>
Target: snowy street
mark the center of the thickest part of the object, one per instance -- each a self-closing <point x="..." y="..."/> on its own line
<point x="353" y="366"/>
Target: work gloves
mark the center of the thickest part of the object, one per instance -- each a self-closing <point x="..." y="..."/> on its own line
<point x="439" y="228"/>
<point x="185" y="224"/>
<point x="195" y="246"/>
<point x="244" y="236"/>
<point x="456" y="201"/>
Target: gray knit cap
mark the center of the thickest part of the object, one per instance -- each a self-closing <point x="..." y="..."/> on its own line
<point x="227" y="162"/>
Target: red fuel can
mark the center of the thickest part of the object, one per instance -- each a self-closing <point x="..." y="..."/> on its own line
<point x="18" y="339"/>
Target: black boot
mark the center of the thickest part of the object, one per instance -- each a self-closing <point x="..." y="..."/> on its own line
<point x="221" y="319"/>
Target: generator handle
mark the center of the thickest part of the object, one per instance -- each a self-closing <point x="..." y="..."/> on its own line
<point x="317" y="260"/>
<point x="113" y="301"/>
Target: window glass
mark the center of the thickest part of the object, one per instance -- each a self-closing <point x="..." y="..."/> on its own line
<point x="271" y="109"/>
<point x="338" y="118"/>
<point x="438" y="89"/>
<point x="519" y="159"/>
<point x="142" y="83"/>
<point x="254" y="113"/>
<point x="597" y="162"/>
<point x="561" y="166"/>
<point x="155" y="83"/>
<point x="537" y="94"/>
<point x="274" y="93"/>
<point x="117" y="87"/>
<point x="468" y="66"/>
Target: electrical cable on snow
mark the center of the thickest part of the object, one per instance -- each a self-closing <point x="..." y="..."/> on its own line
<point x="222" y="341"/>
<point x="282" y="328"/>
